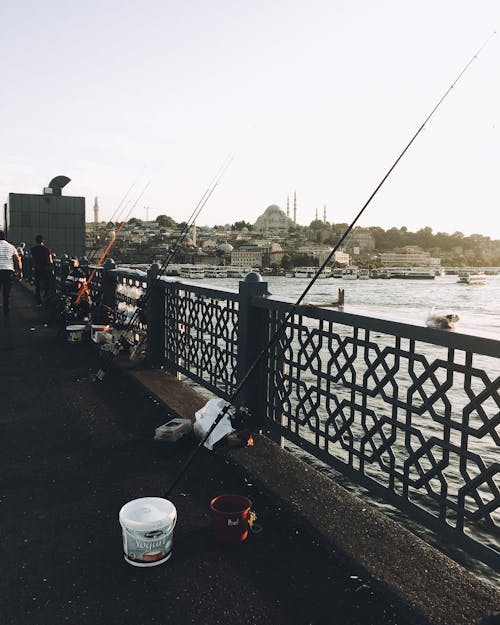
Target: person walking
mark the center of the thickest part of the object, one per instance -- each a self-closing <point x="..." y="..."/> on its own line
<point x="9" y="262"/>
<point x="43" y="266"/>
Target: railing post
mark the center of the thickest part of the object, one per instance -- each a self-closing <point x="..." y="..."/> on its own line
<point x="253" y="334"/>
<point x="155" y="314"/>
<point x="108" y="284"/>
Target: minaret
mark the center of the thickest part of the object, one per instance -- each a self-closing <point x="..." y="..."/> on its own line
<point x="288" y="206"/>
<point x="193" y="234"/>
<point x="324" y="214"/>
<point x="316" y="214"/>
<point x="295" y="207"/>
<point x="96" y="211"/>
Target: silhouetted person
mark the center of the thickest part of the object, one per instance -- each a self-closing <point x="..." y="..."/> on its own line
<point x="9" y="262"/>
<point x="43" y="266"/>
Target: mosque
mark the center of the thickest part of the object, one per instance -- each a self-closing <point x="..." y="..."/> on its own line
<point x="275" y="219"/>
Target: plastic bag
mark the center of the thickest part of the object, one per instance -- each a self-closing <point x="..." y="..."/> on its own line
<point x="206" y="416"/>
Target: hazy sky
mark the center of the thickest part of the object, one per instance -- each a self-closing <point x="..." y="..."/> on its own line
<point x="316" y="96"/>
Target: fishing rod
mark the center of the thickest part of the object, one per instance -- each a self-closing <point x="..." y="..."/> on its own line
<point x="281" y="329"/>
<point x="196" y="212"/>
<point x="85" y="286"/>
<point x="110" y="225"/>
<point x="173" y="250"/>
<point x="180" y="239"/>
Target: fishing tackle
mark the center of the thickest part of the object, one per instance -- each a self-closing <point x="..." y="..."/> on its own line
<point x="85" y="286"/>
<point x="280" y="330"/>
<point x="140" y="310"/>
<point x="115" y="217"/>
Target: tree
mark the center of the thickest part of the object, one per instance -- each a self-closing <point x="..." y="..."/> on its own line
<point x="165" y="221"/>
<point x="239" y="225"/>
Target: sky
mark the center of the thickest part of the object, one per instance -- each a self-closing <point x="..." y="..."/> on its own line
<point x="317" y="97"/>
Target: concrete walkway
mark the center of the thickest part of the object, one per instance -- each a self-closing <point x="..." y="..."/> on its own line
<point x="74" y="451"/>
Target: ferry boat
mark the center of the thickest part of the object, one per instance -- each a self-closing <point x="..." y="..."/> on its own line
<point x="379" y="273"/>
<point x="350" y="273"/>
<point x="193" y="272"/>
<point x="466" y="277"/>
<point x="419" y="273"/>
<point x="363" y="274"/>
<point x="215" y="271"/>
<point x="304" y="272"/>
<point x="237" y="272"/>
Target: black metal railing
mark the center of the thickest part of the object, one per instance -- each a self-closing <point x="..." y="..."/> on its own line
<point x="411" y="413"/>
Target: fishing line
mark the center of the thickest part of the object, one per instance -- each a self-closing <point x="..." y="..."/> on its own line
<point x="281" y="329"/>
<point x="85" y="285"/>
<point x="192" y="219"/>
<point x="194" y="215"/>
<point x="110" y="224"/>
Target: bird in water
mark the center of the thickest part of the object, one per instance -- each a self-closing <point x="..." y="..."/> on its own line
<point x="441" y="320"/>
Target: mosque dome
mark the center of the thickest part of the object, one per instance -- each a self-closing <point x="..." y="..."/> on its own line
<point x="225" y="248"/>
<point x="273" y="218"/>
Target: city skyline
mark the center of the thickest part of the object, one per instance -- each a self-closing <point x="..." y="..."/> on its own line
<point x="317" y="98"/>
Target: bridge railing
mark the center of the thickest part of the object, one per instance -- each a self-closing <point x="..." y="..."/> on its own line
<point x="411" y="413"/>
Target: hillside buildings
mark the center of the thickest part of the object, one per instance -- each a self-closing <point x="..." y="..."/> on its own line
<point x="409" y="256"/>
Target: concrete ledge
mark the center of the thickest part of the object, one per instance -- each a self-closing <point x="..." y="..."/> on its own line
<point x="428" y="586"/>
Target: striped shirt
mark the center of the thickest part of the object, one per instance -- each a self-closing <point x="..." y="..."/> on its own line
<point x="7" y="253"/>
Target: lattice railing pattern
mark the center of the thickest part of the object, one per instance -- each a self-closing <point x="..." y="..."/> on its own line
<point x="201" y="336"/>
<point x="417" y="419"/>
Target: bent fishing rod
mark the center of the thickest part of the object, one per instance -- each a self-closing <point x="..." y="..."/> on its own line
<point x="85" y="286"/>
<point x="110" y="225"/>
<point x="281" y="329"/>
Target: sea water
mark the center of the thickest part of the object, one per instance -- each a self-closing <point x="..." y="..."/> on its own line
<point x="408" y="301"/>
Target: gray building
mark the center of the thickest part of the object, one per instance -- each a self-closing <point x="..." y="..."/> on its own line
<point x="59" y="219"/>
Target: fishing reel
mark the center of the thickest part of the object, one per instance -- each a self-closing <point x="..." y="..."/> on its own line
<point x="242" y="419"/>
<point x="141" y="310"/>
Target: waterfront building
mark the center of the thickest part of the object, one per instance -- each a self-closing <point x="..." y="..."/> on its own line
<point x="247" y="257"/>
<point x="410" y="258"/>
<point x="321" y="252"/>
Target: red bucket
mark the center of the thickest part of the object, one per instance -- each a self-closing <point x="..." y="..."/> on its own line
<point x="230" y="514"/>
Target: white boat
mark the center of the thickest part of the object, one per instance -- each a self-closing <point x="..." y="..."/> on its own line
<point x="237" y="272"/>
<point x="215" y="271"/>
<point x="467" y="277"/>
<point x="364" y="274"/>
<point x="193" y="272"/>
<point x="326" y="273"/>
<point x="337" y="272"/>
<point x="350" y="273"/>
<point x="304" y="272"/>
<point x="419" y="273"/>
<point x="379" y="273"/>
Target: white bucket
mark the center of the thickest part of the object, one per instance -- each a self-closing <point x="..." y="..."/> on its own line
<point x="75" y="333"/>
<point x="148" y="526"/>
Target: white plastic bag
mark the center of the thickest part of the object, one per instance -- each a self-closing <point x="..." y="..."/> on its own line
<point x="205" y="418"/>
